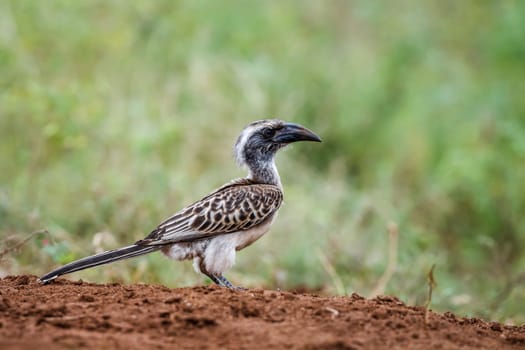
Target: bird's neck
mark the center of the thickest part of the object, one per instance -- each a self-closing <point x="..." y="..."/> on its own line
<point x="264" y="172"/>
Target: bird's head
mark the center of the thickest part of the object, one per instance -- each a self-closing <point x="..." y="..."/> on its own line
<point x="260" y="140"/>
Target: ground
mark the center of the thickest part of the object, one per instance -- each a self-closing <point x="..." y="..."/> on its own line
<point x="76" y="315"/>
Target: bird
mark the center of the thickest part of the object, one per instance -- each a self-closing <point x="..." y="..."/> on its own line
<point x="232" y="217"/>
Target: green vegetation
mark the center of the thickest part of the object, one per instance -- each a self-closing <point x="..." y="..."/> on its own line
<point x="115" y="114"/>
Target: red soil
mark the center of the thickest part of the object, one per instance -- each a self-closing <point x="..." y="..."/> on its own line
<point x="75" y="315"/>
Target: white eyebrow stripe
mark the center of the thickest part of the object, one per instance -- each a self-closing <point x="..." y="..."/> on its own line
<point x="241" y="142"/>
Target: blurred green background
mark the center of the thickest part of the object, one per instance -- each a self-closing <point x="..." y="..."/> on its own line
<point x="115" y="114"/>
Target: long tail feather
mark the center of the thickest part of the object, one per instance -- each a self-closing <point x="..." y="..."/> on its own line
<point x="99" y="259"/>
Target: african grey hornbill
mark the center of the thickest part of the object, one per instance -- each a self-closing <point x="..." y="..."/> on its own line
<point x="231" y="218"/>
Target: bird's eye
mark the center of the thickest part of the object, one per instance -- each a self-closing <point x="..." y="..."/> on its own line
<point x="268" y="132"/>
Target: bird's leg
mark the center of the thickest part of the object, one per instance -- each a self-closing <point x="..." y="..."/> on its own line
<point x="203" y="270"/>
<point x="215" y="279"/>
<point x="222" y="281"/>
<point x="219" y="280"/>
<point x="227" y="283"/>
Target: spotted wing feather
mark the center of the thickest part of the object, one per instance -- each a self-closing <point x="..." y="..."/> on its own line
<point x="238" y="206"/>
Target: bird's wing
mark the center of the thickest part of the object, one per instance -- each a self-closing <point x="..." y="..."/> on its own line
<point x="237" y="206"/>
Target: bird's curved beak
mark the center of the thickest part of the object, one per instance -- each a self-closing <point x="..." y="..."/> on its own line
<point x="294" y="132"/>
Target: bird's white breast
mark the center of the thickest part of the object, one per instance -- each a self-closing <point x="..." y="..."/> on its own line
<point x="219" y="255"/>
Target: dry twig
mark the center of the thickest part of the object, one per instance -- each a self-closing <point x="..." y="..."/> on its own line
<point x="329" y="268"/>
<point x="393" y="239"/>
<point x="506" y="291"/>
<point x="20" y="244"/>
<point x="431" y="285"/>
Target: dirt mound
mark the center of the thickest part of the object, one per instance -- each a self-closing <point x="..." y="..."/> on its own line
<point x="72" y="315"/>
